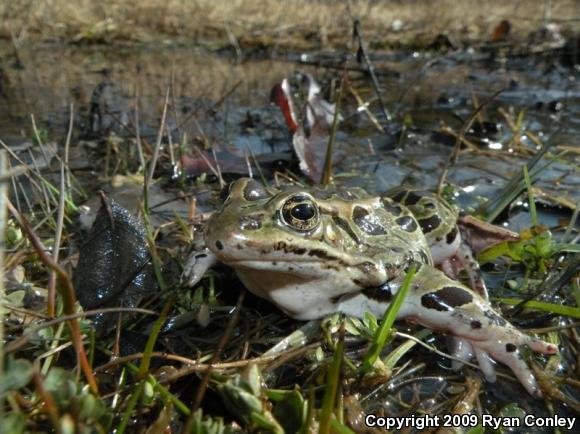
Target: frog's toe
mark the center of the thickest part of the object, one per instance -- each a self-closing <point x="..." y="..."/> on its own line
<point x="461" y="350"/>
<point x="514" y="360"/>
<point x="487" y="365"/>
<point x="510" y="355"/>
<point x="540" y="346"/>
<point x="196" y="266"/>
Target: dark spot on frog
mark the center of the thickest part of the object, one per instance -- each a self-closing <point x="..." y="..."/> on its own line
<point x="281" y="245"/>
<point x="407" y="223"/>
<point x="424" y="258"/>
<point x="454" y="296"/>
<point x="495" y="318"/>
<point x="430" y="205"/>
<point x="329" y="266"/>
<point x="367" y="267"/>
<point x="320" y="254"/>
<point x="274" y="263"/>
<point x="510" y="348"/>
<point x="391" y="207"/>
<point x="367" y="222"/>
<point x="251" y="222"/>
<point x="446" y="298"/>
<point x="451" y="235"/>
<point x="239" y="246"/>
<point x="359" y="212"/>
<point x="219" y="245"/>
<point x="475" y="324"/>
<point x="342" y="224"/>
<point x="399" y="196"/>
<point x="412" y="198"/>
<point x="201" y="255"/>
<point x="381" y="293"/>
<point x="430" y="223"/>
<point x="431" y="301"/>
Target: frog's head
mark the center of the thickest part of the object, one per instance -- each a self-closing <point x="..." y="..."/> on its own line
<point x="295" y="237"/>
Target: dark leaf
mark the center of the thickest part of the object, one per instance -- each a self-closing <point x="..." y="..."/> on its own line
<point x="114" y="266"/>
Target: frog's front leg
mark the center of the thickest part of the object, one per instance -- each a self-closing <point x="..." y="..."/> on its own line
<point x="199" y="261"/>
<point x="463" y="259"/>
<point x="440" y="303"/>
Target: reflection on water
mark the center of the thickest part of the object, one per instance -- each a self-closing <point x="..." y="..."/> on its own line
<point x="44" y="81"/>
<point x="213" y="99"/>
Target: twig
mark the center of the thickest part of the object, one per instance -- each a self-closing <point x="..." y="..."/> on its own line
<point x="67" y="292"/>
<point x="25" y="338"/>
<point x="327" y="172"/>
<point x="67" y="147"/>
<point x="138" y="130"/>
<point x="460" y="138"/>
<point x="207" y="375"/>
<point x="362" y="54"/>
<point x="8" y="174"/>
<point x="149" y="176"/>
<point x="364" y="106"/>
<point x="50" y="304"/>
<point x="3" y="199"/>
<point x="50" y="406"/>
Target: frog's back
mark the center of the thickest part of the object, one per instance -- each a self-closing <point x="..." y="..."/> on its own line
<point x="377" y="227"/>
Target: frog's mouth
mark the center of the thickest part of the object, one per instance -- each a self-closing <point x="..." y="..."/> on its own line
<point x="288" y="266"/>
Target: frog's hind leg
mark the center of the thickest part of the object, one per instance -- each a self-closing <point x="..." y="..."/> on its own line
<point x="440" y="303"/>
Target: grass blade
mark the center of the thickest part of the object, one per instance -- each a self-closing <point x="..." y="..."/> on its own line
<point x="387" y="323"/>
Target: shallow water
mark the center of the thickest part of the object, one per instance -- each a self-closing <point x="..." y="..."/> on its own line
<point x="214" y="99"/>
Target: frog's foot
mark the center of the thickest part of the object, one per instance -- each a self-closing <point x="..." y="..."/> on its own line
<point x="196" y="266"/>
<point x="437" y="302"/>
<point x="504" y="346"/>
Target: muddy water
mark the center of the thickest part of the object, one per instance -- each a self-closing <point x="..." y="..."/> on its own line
<point x="215" y="99"/>
<point x="44" y="81"/>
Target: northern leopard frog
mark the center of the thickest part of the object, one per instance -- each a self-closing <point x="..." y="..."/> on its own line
<point x="313" y="252"/>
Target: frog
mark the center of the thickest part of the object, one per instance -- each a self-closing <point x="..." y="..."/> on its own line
<point x="313" y="252"/>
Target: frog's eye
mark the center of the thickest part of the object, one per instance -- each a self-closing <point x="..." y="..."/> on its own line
<point x="300" y="212"/>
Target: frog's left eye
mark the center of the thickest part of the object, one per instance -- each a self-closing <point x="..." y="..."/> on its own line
<point x="300" y="212"/>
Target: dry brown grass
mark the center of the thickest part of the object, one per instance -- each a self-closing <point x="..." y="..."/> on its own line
<point x="272" y="22"/>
